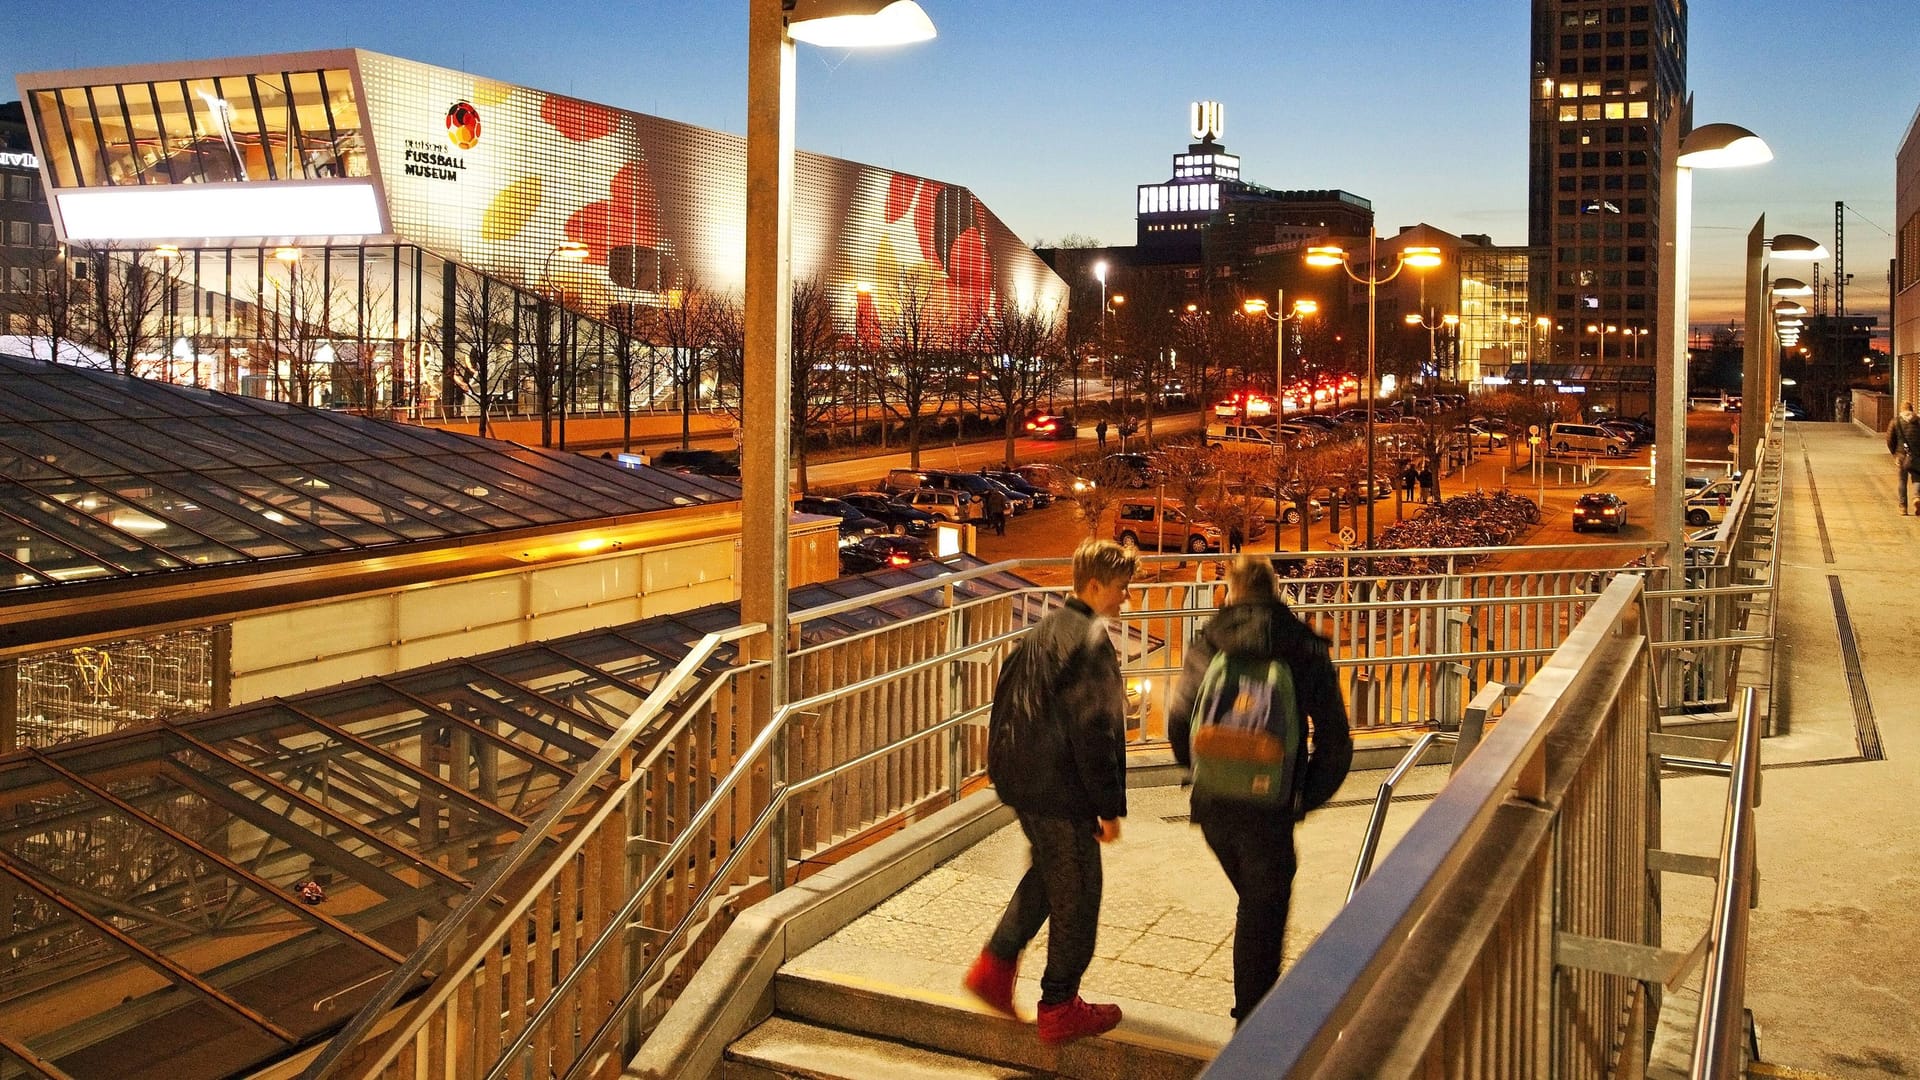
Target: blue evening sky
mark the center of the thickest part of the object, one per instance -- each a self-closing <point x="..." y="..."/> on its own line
<point x="1052" y="110"/>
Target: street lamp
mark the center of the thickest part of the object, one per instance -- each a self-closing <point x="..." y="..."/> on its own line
<point x="1106" y="361"/>
<point x="1280" y="316"/>
<point x="1708" y="147"/>
<point x="1100" y="274"/>
<point x="768" y="337"/>
<point x="569" y="251"/>
<point x="1420" y="258"/>
<point x="1433" y="351"/>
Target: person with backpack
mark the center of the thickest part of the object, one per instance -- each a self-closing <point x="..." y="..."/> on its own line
<point x="1250" y="683"/>
<point x="1903" y="442"/>
<point x="1056" y="753"/>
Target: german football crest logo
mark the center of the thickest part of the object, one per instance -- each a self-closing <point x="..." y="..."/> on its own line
<point x="463" y="125"/>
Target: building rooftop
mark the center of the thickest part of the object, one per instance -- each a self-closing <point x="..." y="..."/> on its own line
<point x="108" y="477"/>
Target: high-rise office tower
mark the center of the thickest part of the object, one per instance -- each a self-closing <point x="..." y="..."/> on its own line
<point x="1607" y="77"/>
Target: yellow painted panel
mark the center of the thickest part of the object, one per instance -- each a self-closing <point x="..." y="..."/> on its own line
<point x="563" y="588"/>
<point x="691" y="565"/>
<point x="669" y="601"/>
<point x="433" y="650"/>
<point x="446" y="609"/>
<point x="311" y="676"/>
<point x="573" y="621"/>
<point x="280" y="638"/>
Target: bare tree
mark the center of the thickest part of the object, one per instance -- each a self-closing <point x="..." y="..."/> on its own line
<point x="1022" y="351"/>
<point x="1145" y="332"/>
<point x="124" y="301"/>
<point x="483" y="334"/>
<point x="1107" y="481"/>
<point x="54" y="303"/>
<point x="915" y="378"/>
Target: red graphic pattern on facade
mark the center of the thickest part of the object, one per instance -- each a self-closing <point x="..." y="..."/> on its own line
<point x="627" y="217"/>
<point x="579" y="121"/>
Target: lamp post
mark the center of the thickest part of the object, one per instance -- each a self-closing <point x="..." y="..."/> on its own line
<point x="1280" y="317"/>
<point x="1759" y="377"/>
<point x="1420" y="258"/>
<point x="1099" y="273"/>
<point x="1710" y="146"/>
<point x="570" y="251"/>
<point x="1433" y="348"/>
<point x="1106" y="358"/>
<point x="768" y="338"/>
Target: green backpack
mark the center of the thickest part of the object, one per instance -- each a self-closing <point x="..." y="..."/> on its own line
<point x="1246" y="732"/>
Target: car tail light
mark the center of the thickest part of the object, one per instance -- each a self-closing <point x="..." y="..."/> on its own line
<point x="1608" y="511"/>
<point x="898" y="558"/>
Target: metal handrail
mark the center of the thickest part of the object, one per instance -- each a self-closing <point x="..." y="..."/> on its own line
<point x="749" y="760"/>
<point x="1370" y="840"/>
<point x="1716" y="1039"/>
<point x="516" y="856"/>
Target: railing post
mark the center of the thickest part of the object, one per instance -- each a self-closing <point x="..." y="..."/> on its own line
<point x="956" y="693"/>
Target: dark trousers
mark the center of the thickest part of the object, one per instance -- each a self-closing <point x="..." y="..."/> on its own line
<point x="1061" y="887"/>
<point x="1905" y="476"/>
<point x="1257" y="854"/>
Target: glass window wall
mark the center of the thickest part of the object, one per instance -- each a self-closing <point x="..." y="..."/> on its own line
<point x="301" y="125"/>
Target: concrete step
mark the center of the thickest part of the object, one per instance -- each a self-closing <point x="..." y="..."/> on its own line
<point x="782" y="1049"/>
<point x="953" y="1025"/>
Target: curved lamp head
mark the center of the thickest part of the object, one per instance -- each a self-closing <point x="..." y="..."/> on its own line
<point x="1421" y="258"/>
<point x="1787" y="286"/>
<point x="1797" y="247"/>
<point x="855" y="24"/>
<point x="571" y="249"/>
<point x="1789" y="307"/>
<point x="1784" y="323"/>
<point x="1100" y="271"/>
<point x="1306" y="307"/>
<point x="1326" y="256"/>
<point x="1412" y="319"/>
<point x="1450" y="320"/>
<point x="1722" y="146"/>
<point x="1255" y="306"/>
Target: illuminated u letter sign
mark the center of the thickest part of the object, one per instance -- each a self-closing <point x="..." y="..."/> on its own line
<point x="1209" y="120"/>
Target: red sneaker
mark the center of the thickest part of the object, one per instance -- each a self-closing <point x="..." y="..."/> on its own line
<point x="991" y="980"/>
<point x="1076" y="1019"/>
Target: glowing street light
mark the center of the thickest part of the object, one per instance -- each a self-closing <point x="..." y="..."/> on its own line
<point x="1280" y="317"/>
<point x="773" y="27"/>
<point x="1328" y="256"/>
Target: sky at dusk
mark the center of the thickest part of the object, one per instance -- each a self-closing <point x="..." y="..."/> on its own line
<point x="1052" y="110"/>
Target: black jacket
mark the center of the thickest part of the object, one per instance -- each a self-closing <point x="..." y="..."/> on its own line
<point x="1270" y="630"/>
<point x="1903" y="438"/>
<point x="1057" y="743"/>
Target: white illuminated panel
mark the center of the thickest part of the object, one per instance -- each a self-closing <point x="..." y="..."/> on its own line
<point x="222" y="211"/>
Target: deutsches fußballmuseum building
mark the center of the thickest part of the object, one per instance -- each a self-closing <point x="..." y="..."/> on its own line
<point x="352" y="229"/>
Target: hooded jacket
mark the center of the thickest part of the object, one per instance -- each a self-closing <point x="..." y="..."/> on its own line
<point x="1057" y="740"/>
<point x="1268" y="629"/>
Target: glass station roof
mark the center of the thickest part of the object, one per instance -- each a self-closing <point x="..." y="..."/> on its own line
<point x="105" y="476"/>
<point x="155" y="876"/>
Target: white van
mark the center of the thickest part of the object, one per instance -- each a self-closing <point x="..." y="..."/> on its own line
<point x="1584" y="439"/>
<point x="1245" y="436"/>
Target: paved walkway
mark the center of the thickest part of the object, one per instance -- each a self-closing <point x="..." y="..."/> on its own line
<point x="1832" y="979"/>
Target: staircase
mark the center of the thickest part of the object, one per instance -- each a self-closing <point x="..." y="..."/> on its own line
<point x="833" y="1026"/>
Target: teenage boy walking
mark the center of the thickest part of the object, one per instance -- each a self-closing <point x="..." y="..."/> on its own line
<point x="1254" y="840"/>
<point x="1057" y="754"/>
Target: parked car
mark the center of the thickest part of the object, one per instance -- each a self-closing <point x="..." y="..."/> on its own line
<point x="1599" y="510"/>
<point x="1627" y="431"/>
<point x="883" y="552"/>
<point x="1054" y="478"/>
<point x="854" y="525"/>
<point x="899" y="481"/>
<point x="1482" y="434"/>
<point x="1050" y="426"/>
<point x="1135" y="523"/>
<point x="1584" y="439"/>
<point x="1138" y="468"/>
<point x="951" y="505"/>
<point x="1042" y="498"/>
<point x="903" y="520"/>
<point x="703" y="462"/>
<point x="977" y="485"/>
<point x="1244" y="436"/>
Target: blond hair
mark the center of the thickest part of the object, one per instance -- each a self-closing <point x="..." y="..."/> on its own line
<point x="1251" y="578"/>
<point x="1104" y="561"/>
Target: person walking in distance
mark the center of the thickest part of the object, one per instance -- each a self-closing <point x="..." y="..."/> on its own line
<point x="1056" y="752"/>
<point x="996" y="507"/>
<point x="1903" y="442"/>
<point x="1100" y="432"/>
<point x="1251" y="680"/>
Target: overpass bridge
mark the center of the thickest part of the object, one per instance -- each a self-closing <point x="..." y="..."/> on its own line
<point x="667" y="891"/>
